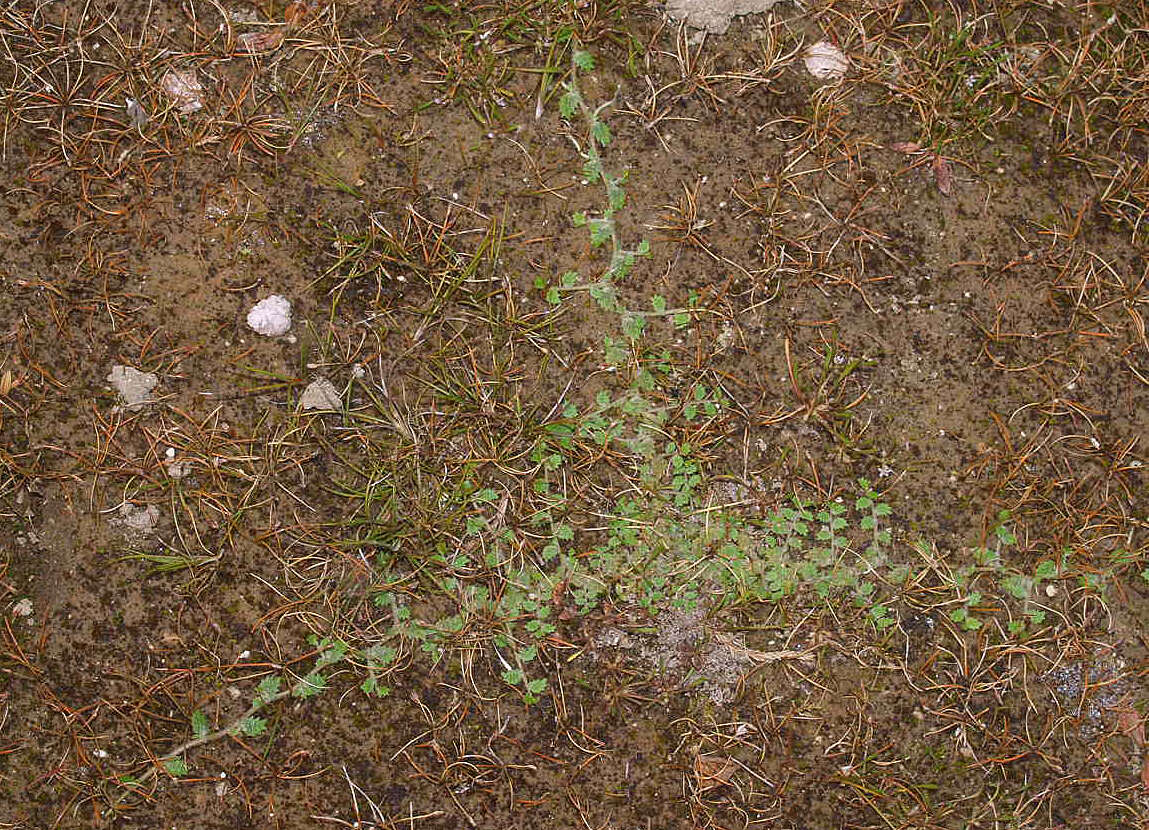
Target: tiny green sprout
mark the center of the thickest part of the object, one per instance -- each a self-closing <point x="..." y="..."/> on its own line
<point x="616" y="196"/>
<point x="330" y="651"/>
<point x="535" y="688"/>
<point x="1092" y="582"/>
<point x="253" y="726"/>
<point x="372" y="686"/>
<point x="964" y="619"/>
<point x="614" y="351"/>
<point x="1017" y="586"/>
<point x="176" y="767"/>
<point x="583" y="60"/>
<point x="310" y="685"/>
<point x="569" y="103"/>
<point x="600" y="231"/>
<point x="987" y="558"/>
<point x="1005" y="536"/>
<point x="880" y="617"/>
<point x="605" y="294"/>
<point x="267" y="689"/>
<point x="633" y="325"/>
<point x="200" y="725"/>
<point x="592" y="169"/>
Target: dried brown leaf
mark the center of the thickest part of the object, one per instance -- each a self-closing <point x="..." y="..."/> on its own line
<point x="943" y="175"/>
<point x="1145" y="772"/>
<point x="1132" y="724"/>
<point x="257" y="42"/>
<point x="184" y="88"/>
<point x="296" y="12"/>
<point x="906" y="147"/>
<point x="713" y="771"/>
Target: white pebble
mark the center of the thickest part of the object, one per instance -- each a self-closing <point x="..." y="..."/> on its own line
<point x="270" y="317"/>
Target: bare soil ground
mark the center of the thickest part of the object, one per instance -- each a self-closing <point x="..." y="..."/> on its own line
<point x="665" y="436"/>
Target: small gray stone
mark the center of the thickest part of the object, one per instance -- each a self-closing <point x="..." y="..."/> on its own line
<point x="137" y="522"/>
<point x="271" y="316"/>
<point x="714" y="16"/>
<point x="321" y="394"/>
<point x="134" y="387"/>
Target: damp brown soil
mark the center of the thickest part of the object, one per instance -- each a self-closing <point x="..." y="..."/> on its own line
<point x="1001" y="363"/>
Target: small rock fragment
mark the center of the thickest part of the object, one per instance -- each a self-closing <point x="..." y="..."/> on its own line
<point x="134" y="387"/>
<point x="271" y="316"/>
<point x="321" y="394"/>
<point x="137" y="522"/>
<point x="136" y="112"/>
<point x="714" y="16"/>
<point x="825" y="61"/>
